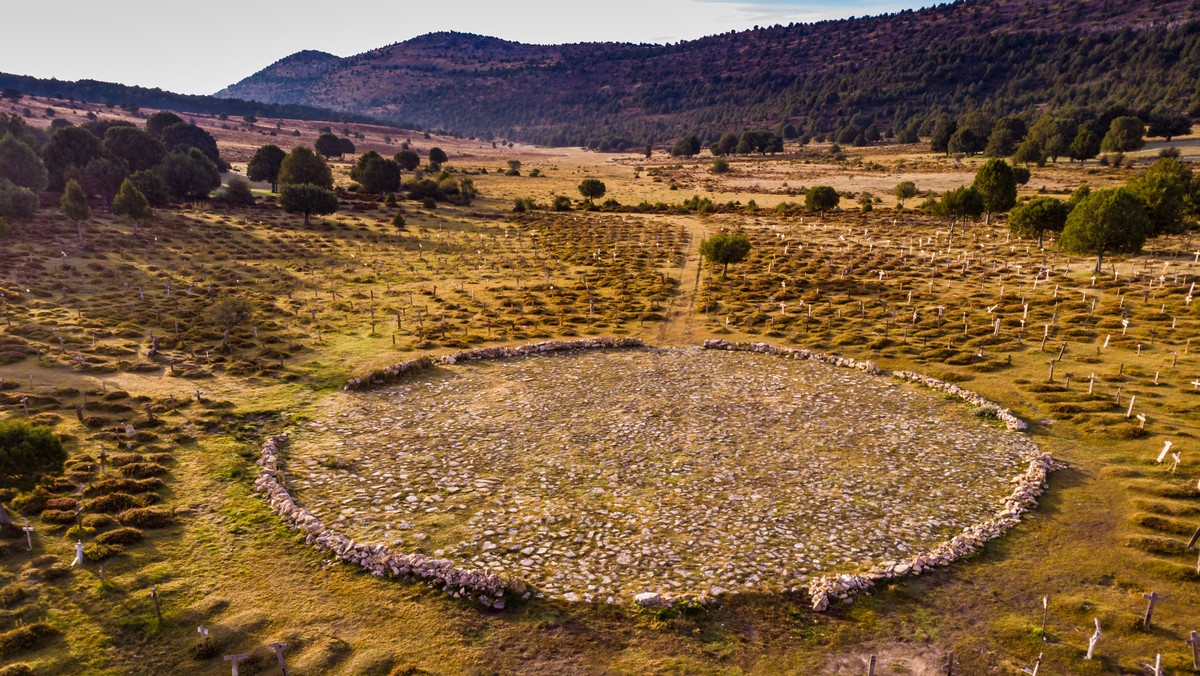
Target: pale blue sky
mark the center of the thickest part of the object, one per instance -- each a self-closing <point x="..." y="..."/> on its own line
<point x="200" y="47"/>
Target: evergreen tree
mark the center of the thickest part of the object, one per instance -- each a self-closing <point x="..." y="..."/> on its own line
<point x="132" y="204"/>
<point x="821" y="198"/>
<point x="307" y="199"/>
<point x="302" y="166"/>
<point x="75" y="207"/>
<point x="1106" y="221"/>
<point x="1038" y="216"/>
<point x="724" y="249"/>
<point x="265" y="165"/>
<point x="21" y="165"/>
<point x="998" y="187"/>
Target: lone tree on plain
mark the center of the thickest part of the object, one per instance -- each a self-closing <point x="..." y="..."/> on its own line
<point x="998" y="187"/>
<point x="75" y="207"/>
<point x="132" y="204"/>
<point x="1106" y="221"/>
<point x="437" y="156"/>
<point x="265" y="165"/>
<point x="821" y="198"/>
<point x="592" y="188"/>
<point x="724" y="249"/>
<point x="960" y="204"/>
<point x="229" y="312"/>
<point x="307" y="199"/>
<point x="1039" y="216"/>
<point x="905" y="190"/>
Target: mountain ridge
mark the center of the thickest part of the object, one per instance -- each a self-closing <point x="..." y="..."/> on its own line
<point x="892" y="68"/>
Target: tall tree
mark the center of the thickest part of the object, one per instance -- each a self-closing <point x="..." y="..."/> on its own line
<point x="189" y="175"/>
<point x="1168" y="123"/>
<point x="437" y="156"/>
<point x="158" y="122"/>
<point x="75" y="207"/>
<point x="265" y="165"/>
<point x="1106" y="221"/>
<point x="940" y="142"/>
<point x="998" y="187"/>
<point x="821" y="198"/>
<point x="328" y="145"/>
<point x="1038" y="216"/>
<point x="136" y="148"/>
<point x="1165" y="190"/>
<point x="182" y="136"/>
<point x="307" y="199"/>
<point x="69" y="147"/>
<point x="130" y="203"/>
<point x="100" y="176"/>
<point x="961" y="204"/>
<point x="1085" y="146"/>
<point x="21" y="165"/>
<point x="376" y="174"/>
<point x="1124" y="134"/>
<point x="407" y="159"/>
<point x="592" y="188"/>
<point x="725" y="249"/>
<point x="302" y="165"/>
<point x="905" y="190"/>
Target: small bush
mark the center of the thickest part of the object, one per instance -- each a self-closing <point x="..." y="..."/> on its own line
<point x="141" y="470"/>
<point x="11" y="595"/>
<point x="120" y="536"/>
<point x="97" y="521"/>
<point x="146" y="517"/>
<point x="132" y="486"/>
<point x="113" y="503"/>
<point x="27" y="451"/>
<point x="58" y="516"/>
<point x="98" y="552"/>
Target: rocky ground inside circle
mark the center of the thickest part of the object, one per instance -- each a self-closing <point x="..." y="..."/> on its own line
<point x="600" y="475"/>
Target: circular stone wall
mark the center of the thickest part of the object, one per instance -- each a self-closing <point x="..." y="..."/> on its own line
<point x="598" y="475"/>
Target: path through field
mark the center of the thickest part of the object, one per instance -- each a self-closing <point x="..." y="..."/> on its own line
<point x="680" y="326"/>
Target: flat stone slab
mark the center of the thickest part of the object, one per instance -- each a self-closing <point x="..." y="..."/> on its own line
<point x="602" y="475"/>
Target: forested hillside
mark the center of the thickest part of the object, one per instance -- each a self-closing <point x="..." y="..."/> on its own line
<point x="892" y="71"/>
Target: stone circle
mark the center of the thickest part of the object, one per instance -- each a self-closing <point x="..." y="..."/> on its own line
<point x="610" y="475"/>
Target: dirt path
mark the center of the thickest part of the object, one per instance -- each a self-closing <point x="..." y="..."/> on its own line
<point x="682" y="326"/>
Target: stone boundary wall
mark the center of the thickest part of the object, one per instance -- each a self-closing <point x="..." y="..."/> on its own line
<point x="489" y="589"/>
<point x="396" y="372"/>
<point x="1030" y="485"/>
<point x="486" y="588"/>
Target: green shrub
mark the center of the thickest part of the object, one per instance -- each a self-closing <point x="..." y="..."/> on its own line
<point x="120" y="536"/>
<point x="113" y="503"/>
<point x="132" y="486"/>
<point x="142" y="470"/>
<point x="58" y="516"/>
<point x="95" y="521"/>
<point x="31" y="502"/>
<point x="98" y="552"/>
<point x="27" y="451"/>
<point x="19" y="669"/>
<point x="11" y="595"/>
<point x="146" y="517"/>
<point x="24" y="638"/>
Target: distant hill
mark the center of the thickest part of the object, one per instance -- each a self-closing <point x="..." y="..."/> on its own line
<point x="1000" y="56"/>
<point x="95" y="91"/>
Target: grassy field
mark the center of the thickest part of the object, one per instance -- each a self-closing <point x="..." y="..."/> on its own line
<point x="120" y="332"/>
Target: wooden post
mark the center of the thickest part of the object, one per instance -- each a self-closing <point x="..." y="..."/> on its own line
<point x="157" y="610"/>
<point x="1193" y="641"/>
<point x="871" y="664"/>
<point x="950" y="663"/>
<point x="28" y="534"/>
<point x="1152" y="598"/>
<point x="1051" y="378"/>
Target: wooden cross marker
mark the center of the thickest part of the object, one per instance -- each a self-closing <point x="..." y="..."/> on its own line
<point x="1141" y="420"/>
<point x="203" y="631"/>
<point x="1036" y="665"/>
<point x="1152" y="598"/>
<point x="1094" y="639"/>
<point x="1156" y="668"/>
<point x="1129" y="412"/>
<point x="1195" y="384"/>
<point x="1163" y="453"/>
<point x="1091" y="382"/>
<point x="235" y="659"/>
<point x="950" y="663"/>
<point x="1194" y="642"/>
<point x="279" y="648"/>
<point x="28" y="534"/>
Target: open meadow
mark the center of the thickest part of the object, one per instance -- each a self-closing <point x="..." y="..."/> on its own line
<point x="591" y="477"/>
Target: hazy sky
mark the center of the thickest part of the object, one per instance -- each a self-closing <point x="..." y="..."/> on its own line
<point x="200" y="47"/>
